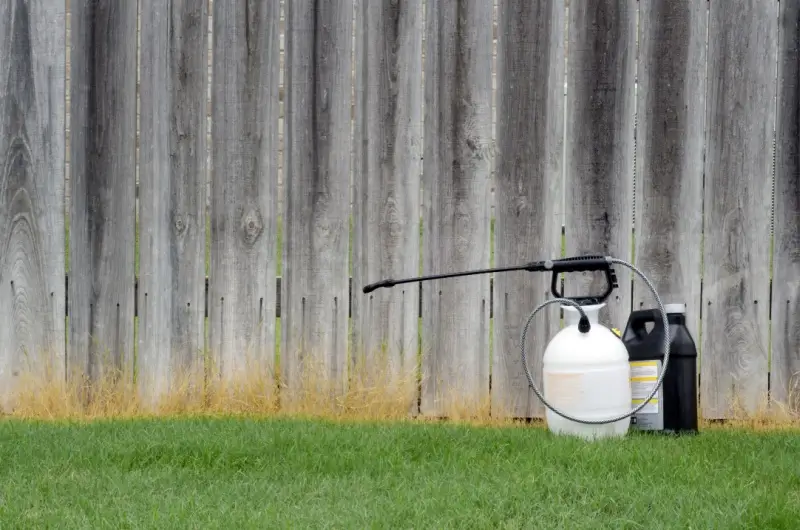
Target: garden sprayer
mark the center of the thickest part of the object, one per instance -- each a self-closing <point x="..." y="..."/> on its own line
<point x="591" y="376"/>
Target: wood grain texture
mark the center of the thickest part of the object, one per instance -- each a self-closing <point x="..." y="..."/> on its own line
<point x="742" y="47"/>
<point x="32" y="158"/>
<point x="172" y="195"/>
<point x="244" y="179"/>
<point x="102" y="215"/>
<point x="669" y="154"/>
<point x="456" y="187"/>
<point x="785" y="365"/>
<point x="529" y="209"/>
<point x="386" y="180"/>
<point x="600" y="145"/>
<point x="315" y="280"/>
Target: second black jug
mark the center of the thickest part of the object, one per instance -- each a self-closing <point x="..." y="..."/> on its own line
<point x="674" y="408"/>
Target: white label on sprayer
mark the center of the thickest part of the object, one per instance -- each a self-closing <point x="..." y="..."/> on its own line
<point x="644" y="375"/>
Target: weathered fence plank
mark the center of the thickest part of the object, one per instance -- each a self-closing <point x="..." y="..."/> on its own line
<point x="742" y="46"/>
<point x="456" y="183"/>
<point x="244" y="178"/>
<point x="785" y="366"/>
<point x="317" y="192"/>
<point x="102" y="214"/>
<point x="386" y="179"/>
<point x="529" y="209"/>
<point x="32" y="158"/>
<point x="600" y="145"/>
<point x="172" y="195"/>
<point x="669" y="154"/>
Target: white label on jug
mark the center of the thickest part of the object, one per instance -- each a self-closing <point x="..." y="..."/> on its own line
<point x="644" y="375"/>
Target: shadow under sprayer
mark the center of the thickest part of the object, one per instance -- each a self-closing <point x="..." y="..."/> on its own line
<point x="596" y="383"/>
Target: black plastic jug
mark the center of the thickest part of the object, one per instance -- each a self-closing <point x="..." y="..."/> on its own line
<point x="674" y="408"/>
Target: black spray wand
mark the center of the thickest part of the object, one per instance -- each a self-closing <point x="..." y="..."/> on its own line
<point x="555" y="266"/>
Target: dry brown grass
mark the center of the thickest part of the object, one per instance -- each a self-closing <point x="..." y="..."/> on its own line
<point x="372" y="394"/>
<point x="255" y="390"/>
<point x="766" y="415"/>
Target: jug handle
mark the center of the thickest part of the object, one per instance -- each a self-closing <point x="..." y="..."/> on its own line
<point x="642" y="317"/>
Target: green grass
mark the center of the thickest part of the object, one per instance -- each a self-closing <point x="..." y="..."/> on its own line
<point x="236" y="473"/>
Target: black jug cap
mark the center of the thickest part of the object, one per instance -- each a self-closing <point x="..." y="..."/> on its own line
<point x="672" y="309"/>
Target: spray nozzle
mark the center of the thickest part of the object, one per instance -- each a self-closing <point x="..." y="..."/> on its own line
<point x="583" y="324"/>
<point x="377" y="285"/>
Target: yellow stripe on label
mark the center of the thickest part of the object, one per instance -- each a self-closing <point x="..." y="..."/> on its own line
<point x="637" y="401"/>
<point x="644" y="378"/>
<point x="644" y="363"/>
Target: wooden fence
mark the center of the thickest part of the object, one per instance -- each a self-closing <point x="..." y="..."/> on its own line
<point x="675" y="145"/>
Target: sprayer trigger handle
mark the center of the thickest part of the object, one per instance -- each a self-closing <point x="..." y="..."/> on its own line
<point x="584" y="264"/>
<point x="579" y="264"/>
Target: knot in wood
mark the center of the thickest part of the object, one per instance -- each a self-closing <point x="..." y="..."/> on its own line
<point x="180" y="225"/>
<point x="392" y="221"/>
<point x="252" y="226"/>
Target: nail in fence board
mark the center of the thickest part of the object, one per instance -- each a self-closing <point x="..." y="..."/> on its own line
<point x="669" y="154"/>
<point x="386" y="178"/>
<point x="244" y="177"/>
<point x="172" y="195"/>
<point x="32" y="158"/>
<point x="742" y="47"/>
<point x="318" y="143"/>
<point x="529" y="209"/>
<point x="102" y="172"/>
<point x="785" y="368"/>
<point x="600" y="145"/>
<point x="456" y="186"/>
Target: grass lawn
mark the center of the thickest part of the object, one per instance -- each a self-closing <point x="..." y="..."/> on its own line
<point x="247" y="473"/>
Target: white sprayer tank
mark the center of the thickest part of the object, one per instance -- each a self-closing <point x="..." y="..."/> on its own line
<point x="587" y="376"/>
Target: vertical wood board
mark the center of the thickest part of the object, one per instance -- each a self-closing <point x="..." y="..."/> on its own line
<point x="529" y="209"/>
<point x="600" y="146"/>
<point x="740" y="118"/>
<point x="315" y="283"/>
<point x="785" y="362"/>
<point x="456" y="186"/>
<point x="32" y="161"/>
<point x="244" y="180"/>
<point x="669" y="154"/>
<point x="102" y="214"/>
<point x="387" y="165"/>
<point x="172" y="195"/>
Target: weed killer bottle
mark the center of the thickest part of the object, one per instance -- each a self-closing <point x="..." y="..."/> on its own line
<point x="673" y="408"/>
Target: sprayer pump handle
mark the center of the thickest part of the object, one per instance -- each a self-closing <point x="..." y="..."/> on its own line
<point x="586" y="263"/>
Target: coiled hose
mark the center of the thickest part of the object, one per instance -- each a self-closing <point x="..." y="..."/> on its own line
<point x="565" y="301"/>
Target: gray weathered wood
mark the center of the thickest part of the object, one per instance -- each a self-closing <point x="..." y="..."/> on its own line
<point x="600" y="145"/>
<point x="669" y="154"/>
<point x="785" y="365"/>
<point x="102" y="216"/>
<point x="244" y="159"/>
<point x="529" y="209"/>
<point x="172" y="195"/>
<point x="742" y="46"/>
<point x="386" y="179"/>
<point x="314" y="301"/>
<point x="456" y="184"/>
<point x="32" y="157"/>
